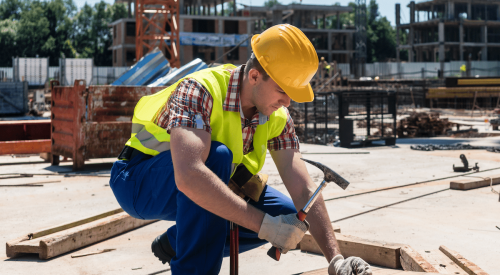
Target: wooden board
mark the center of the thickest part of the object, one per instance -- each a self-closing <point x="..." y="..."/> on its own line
<point x="474" y="183"/>
<point x="383" y="254"/>
<point x="442" y="263"/>
<point x="411" y="260"/>
<point x="57" y="240"/>
<point x="375" y="270"/>
<point x="465" y="264"/>
<point x="25" y="146"/>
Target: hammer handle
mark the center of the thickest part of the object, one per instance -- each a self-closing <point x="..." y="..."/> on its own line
<point x="274" y="252"/>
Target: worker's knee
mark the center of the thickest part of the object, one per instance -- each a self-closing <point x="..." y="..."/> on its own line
<point x="219" y="160"/>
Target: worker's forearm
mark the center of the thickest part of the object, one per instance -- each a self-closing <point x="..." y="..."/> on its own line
<point x="205" y="189"/>
<point x="322" y="230"/>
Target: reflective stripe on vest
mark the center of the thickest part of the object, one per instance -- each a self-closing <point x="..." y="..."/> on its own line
<point x="151" y="139"/>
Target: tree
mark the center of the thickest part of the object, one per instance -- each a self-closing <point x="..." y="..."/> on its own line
<point x="11" y="9"/>
<point x="8" y="30"/>
<point x="92" y="35"/>
<point x="271" y="3"/>
<point x="380" y="36"/>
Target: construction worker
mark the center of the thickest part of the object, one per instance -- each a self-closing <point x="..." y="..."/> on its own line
<point x="213" y="128"/>
<point x="325" y="66"/>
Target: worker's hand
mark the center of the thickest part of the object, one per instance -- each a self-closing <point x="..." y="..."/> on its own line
<point x="284" y="231"/>
<point x="349" y="266"/>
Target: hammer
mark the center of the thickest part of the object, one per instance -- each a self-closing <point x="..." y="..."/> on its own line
<point x="329" y="176"/>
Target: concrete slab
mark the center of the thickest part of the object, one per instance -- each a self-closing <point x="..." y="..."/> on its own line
<point x="461" y="220"/>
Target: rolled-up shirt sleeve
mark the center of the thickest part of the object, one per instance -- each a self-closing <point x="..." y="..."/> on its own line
<point x="288" y="139"/>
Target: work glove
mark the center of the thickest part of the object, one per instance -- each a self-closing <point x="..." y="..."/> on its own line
<point x="284" y="231"/>
<point x="349" y="266"/>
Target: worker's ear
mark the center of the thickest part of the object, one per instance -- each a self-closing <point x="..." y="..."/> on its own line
<point x="253" y="76"/>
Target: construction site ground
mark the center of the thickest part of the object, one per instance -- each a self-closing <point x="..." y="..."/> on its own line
<point x="465" y="221"/>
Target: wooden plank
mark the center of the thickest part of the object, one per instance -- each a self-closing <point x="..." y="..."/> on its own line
<point x="442" y="263"/>
<point x="466" y="265"/>
<point x="25" y="146"/>
<point x="375" y="271"/>
<point x="469" y="184"/>
<point x="50" y="230"/>
<point x="60" y="242"/>
<point x="14" y="245"/>
<point x="383" y="254"/>
<point x="411" y="260"/>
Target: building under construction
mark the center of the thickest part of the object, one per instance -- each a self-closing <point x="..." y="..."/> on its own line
<point x="208" y="29"/>
<point x="450" y="30"/>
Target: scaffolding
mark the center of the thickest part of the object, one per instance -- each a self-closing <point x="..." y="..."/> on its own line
<point x="157" y="25"/>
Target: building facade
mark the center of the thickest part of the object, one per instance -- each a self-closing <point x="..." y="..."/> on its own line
<point x="450" y="30"/>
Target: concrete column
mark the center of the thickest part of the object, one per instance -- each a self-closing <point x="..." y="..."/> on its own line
<point x="484" y="49"/>
<point x="250" y="29"/>
<point x="277" y="17"/>
<point x="398" y="22"/>
<point x="498" y="12"/>
<point x="181" y="6"/>
<point x="338" y="21"/>
<point x="220" y="50"/>
<point x="324" y="21"/>
<point x="432" y="12"/>
<point x="411" y="37"/>
<point x="461" y="40"/>
<point x="329" y="41"/>
<point x="469" y="10"/>
<point x="181" y="50"/>
<point x="451" y="9"/>
<point x="441" y="45"/>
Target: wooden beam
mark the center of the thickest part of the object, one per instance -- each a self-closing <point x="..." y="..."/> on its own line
<point x="383" y="254"/>
<point x="465" y="264"/>
<point x="375" y="270"/>
<point x="474" y="183"/>
<point x="25" y="147"/>
<point x="411" y="260"/>
<point x="55" y="241"/>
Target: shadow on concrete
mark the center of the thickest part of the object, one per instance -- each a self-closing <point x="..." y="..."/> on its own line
<point x="88" y="168"/>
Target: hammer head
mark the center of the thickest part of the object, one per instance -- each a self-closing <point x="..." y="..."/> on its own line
<point x="330" y="175"/>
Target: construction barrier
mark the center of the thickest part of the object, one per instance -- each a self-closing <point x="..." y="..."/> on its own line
<point x="92" y="122"/>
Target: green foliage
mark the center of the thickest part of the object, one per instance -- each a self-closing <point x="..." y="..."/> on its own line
<point x="380" y="36"/>
<point x="8" y="30"/>
<point x="271" y="3"/>
<point x="56" y="29"/>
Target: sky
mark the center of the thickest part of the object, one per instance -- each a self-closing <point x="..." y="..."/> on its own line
<point x="386" y="7"/>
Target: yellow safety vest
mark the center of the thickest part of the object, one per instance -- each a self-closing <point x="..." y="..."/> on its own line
<point x="151" y="139"/>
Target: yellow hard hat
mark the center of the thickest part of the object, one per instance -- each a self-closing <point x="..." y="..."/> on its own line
<point x="289" y="58"/>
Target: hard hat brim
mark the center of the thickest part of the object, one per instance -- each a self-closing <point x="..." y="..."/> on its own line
<point x="299" y="95"/>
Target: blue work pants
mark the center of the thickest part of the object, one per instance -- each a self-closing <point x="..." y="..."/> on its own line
<point x="145" y="188"/>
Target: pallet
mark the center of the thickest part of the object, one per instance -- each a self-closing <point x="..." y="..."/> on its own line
<point x="58" y="240"/>
<point x="469" y="184"/>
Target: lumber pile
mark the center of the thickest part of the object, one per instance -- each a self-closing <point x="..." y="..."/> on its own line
<point x="423" y="125"/>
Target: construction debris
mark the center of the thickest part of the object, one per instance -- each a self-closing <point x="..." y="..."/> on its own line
<point x="423" y="125"/>
<point x="456" y="146"/>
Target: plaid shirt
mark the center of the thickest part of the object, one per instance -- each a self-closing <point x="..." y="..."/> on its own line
<point x="190" y="105"/>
